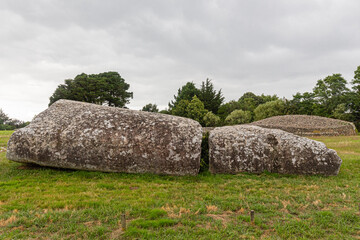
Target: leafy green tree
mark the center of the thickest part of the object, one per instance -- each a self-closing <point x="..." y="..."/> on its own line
<point x="3" y="117"/>
<point x="186" y="92"/>
<point x="268" y="98"/>
<point x="210" y="97"/>
<point x="107" y="88"/>
<point x="165" y="111"/>
<point x="247" y="102"/>
<point x="196" y="110"/>
<point x="329" y="93"/>
<point x="227" y="108"/>
<point x="150" y="108"/>
<point x="238" y="117"/>
<point x="303" y="103"/>
<point x="181" y="108"/>
<point x="340" y="112"/>
<point x="7" y="123"/>
<point x="269" y="109"/>
<point x="355" y="98"/>
<point x="211" y="120"/>
<point x="356" y="80"/>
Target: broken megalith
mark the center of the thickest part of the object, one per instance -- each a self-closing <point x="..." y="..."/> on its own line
<point x="85" y="136"/>
<point x="245" y="148"/>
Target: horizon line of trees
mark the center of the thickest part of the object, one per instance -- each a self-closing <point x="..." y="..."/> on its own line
<point x="7" y="123"/>
<point x="330" y="97"/>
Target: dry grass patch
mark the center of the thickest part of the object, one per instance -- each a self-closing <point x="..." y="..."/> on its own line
<point x="8" y="221"/>
<point x="176" y="212"/>
<point x="211" y="208"/>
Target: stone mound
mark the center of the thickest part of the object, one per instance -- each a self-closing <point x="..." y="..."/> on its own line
<point x="246" y="148"/>
<point x="306" y="125"/>
<point x="86" y="136"/>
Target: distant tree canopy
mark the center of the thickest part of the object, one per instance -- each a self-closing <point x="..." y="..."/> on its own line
<point x="107" y="88"/>
<point x="355" y="98"/>
<point x="238" y="117"/>
<point x="356" y="80"/>
<point x="7" y="123"/>
<point x="330" y="97"/>
<point x="247" y="102"/>
<point x="196" y="110"/>
<point x="270" y="109"/>
<point x="211" y="120"/>
<point x="186" y="92"/>
<point x="150" y="108"/>
<point x="3" y="117"/>
<point x="329" y="93"/>
<point x="211" y="98"/>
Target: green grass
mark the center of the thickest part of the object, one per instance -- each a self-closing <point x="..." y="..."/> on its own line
<point x="47" y="203"/>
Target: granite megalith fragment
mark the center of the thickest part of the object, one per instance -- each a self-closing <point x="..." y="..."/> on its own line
<point x="246" y="148"/>
<point x="85" y="136"/>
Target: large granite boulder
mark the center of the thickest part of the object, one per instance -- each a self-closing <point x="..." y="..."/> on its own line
<point x="245" y="148"/>
<point x="86" y="136"/>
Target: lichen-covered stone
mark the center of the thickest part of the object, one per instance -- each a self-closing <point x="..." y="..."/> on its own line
<point x="86" y="136"/>
<point x="245" y="148"/>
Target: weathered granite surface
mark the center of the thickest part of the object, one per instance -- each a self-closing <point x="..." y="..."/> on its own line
<point x="246" y="148"/>
<point x="306" y="125"/>
<point x="86" y="136"/>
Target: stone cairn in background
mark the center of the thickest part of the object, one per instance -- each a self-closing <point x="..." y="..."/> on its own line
<point x="86" y="136"/>
<point x="305" y="125"/>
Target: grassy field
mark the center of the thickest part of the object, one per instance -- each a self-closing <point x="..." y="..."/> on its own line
<point x="46" y="203"/>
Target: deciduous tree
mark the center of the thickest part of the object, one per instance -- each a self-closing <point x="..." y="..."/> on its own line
<point x="269" y="109"/>
<point x="238" y="117"/>
<point x="107" y="88"/>
<point x="211" y="120"/>
<point x="186" y="92"/>
<point x="150" y="108"/>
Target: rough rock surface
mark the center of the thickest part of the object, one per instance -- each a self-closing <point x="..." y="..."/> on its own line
<point x="246" y="148"/>
<point x="86" y="136"/>
<point x="305" y="125"/>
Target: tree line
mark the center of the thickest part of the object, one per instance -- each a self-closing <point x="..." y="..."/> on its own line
<point x="330" y="97"/>
<point x="7" y="123"/>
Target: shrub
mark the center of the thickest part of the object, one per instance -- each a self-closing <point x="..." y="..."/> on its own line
<point x="196" y="110"/>
<point x="238" y="117"/>
<point x="269" y="109"/>
<point x="211" y="120"/>
<point x="204" y="163"/>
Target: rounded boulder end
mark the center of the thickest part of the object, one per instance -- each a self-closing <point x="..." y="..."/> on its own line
<point x="86" y="136"/>
<point x="246" y="148"/>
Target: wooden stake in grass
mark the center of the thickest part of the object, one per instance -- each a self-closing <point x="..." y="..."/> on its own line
<point x="252" y="216"/>
<point x="123" y="222"/>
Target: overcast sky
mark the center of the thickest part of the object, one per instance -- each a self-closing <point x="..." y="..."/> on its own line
<point x="273" y="47"/>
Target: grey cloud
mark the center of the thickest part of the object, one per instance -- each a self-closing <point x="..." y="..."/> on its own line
<point x="273" y="47"/>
